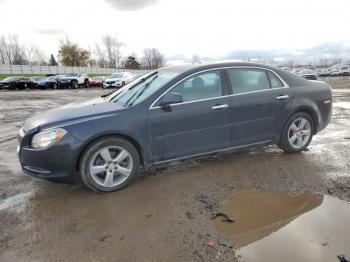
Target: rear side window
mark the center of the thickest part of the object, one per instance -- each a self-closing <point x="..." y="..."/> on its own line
<point x="245" y="80"/>
<point x="200" y="86"/>
<point x="274" y="80"/>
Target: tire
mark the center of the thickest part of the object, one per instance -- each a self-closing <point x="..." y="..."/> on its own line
<point x="111" y="175"/>
<point x="294" y="138"/>
<point x="123" y="83"/>
<point x="75" y="84"/>
<point x="86" y="84"/>
<point x="54" y="86"/>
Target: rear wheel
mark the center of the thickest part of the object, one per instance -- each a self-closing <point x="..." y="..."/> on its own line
<point x="297" y="133"/>
<point x="54" y="86"/>
<point x="109" y="164"/>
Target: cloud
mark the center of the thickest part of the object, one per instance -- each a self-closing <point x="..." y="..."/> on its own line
<point x="312" y="54"/>
<point x="49" y="31"/>
<point x="130" y="5"/>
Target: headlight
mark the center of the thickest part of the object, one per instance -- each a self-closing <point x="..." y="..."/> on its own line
<point x="47" y="138"/>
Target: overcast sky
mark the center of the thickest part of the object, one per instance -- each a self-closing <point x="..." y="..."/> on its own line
<point x="186" y="27"/>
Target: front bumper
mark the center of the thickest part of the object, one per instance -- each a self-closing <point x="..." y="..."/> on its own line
<point x="107" y="85"/>
<point x="57" y="161"/>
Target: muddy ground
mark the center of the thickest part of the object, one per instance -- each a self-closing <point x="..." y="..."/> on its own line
<point x="159" y="217"/>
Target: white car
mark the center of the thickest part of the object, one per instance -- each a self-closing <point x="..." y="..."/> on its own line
<point x="75" y="80"/>
<point x="118" y="79"/>
<point x="336" y="72"/>
<point x="345" y="70"/>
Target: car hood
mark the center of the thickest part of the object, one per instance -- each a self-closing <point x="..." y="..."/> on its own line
<point x="72" y="112"/>
<point x="113" y="79"/>
<point x="67" y="78"/>
<point x="43" y="81"/>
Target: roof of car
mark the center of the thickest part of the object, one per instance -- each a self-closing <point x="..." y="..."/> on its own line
<point x="290" y="78"/>
<point x="185" y="67"/>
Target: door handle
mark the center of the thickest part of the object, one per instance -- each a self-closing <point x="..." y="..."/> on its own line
<point x="282" y="97"/>
<point x="222" y="106"/>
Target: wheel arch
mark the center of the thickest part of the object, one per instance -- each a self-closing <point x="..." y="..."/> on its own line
<point x="310" y="111"/>
<point x="128" y="138"/>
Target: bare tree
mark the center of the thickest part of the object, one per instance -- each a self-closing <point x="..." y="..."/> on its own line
<point x="113" y="49"/>
<point x="152" y="58"/>
<point x="3" y="46"/>
<point x="33" y="54"/>
<point x="324" y="62"/>
<point x="100" y="56"/>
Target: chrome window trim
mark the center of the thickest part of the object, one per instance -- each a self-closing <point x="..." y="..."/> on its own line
<point x="285" y="85"/>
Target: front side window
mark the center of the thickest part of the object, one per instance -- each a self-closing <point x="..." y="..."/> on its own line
<point x="274" y="80"/>
<point x="245" y="80"/>
<point x="201" y="86"/>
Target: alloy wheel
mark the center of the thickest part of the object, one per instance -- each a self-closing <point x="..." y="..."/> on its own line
<point x="111" y="166"/>
<point x="299" y="132"/>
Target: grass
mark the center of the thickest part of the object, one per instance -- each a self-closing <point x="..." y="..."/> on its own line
<point x="3" y="76"/>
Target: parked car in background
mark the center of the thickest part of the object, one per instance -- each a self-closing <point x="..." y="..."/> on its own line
<point x="118" y="80"/>
<point x="37" y="78"/>
<point x="345" y="70"/>
<point x="336" y="72"/>
<point x="97" y="81"/>
<point x="308" y="74"/>
<point x="17" y="82"/>
<point x="323" y="72"/>
<point x="170" y="114"/>
<point x="75" y="80"/>
<point x="49" y="82"/>
<point x="297" y="71"/>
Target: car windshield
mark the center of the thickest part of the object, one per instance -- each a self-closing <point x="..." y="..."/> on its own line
<point x="97" y="78"/>
<point x="72" y="74"/>
<point x="115" y="76"/>
<point x="50" y="78"/>
<point x="10" y="79"/>
<point x="141" y="88"/>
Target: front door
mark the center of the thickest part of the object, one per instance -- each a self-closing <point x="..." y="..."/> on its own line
<point x="199" y="124"/>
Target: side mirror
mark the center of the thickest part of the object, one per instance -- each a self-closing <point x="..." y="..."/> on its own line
<point x="170" y="98"/>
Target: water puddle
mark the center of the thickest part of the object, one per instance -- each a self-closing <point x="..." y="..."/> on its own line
<point x="277" y="226"/>
<point x="13" y="201"/>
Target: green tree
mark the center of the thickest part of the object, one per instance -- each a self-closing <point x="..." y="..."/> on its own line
<point x="52" y="61"/>
<point x="70" y="54"/>
<point x="131" y="62"/>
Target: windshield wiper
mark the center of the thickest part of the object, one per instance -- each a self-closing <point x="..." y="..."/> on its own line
<point x="134" y="97"/>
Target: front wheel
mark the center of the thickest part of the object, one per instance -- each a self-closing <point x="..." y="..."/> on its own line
<point x="297" y="133"/>
<point x="109" y="164"/>
<point x="75" y="85"/>
<point x="86" y="84"/>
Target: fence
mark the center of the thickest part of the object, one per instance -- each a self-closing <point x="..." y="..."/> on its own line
<point x="61" y="70"/>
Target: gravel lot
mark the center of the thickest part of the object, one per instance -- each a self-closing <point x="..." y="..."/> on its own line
<point x="157" y="218"/>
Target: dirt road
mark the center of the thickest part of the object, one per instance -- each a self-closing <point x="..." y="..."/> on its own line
<point x="159" y="217"/>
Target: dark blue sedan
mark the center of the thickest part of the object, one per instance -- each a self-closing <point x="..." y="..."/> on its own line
<point x="174" y="113"/>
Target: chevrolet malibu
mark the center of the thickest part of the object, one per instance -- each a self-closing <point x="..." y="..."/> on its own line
<point x="171" y="114"/>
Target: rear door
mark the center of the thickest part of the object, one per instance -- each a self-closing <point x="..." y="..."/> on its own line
<point x="198" y="125"/>
<point x="258" y="105"/>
